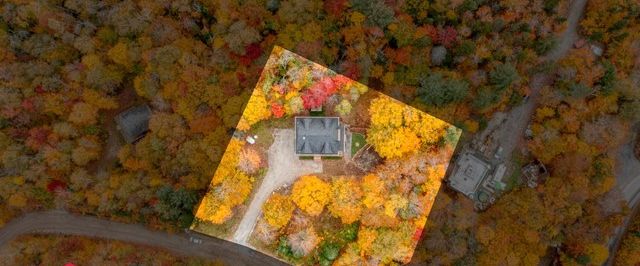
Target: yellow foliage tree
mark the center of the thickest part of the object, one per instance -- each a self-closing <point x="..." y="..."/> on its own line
<point x="398" y="129"/>
<point x="311" y="194"/>
<point x="374" y="190"/>
<point x="277" y="210"/>
<point x="345" y="199"/>
<point x="18" y="200"/>
<point x="212" y="210"/>
<point x="119" y="54"/>
<point x="366" y="236"/>
<point x="394" y="203"/>
<point x="229" y="161"/>
<point x="544" y="112"/>
<point x="597" y="253"/>
<point x="88" y="149"/>
<point x="257" y="109"/>
<point x="229" y="187"/>
<point x="426" y="127"/>
<point x="629" y="252"/>
<point x="83" y="114"/>
<point x="395" y="143"/>
<point x="386" y="112"/>
<point x="98" y="100"/>
<point x="350" y="256"/>
<point x="235" y="188"/>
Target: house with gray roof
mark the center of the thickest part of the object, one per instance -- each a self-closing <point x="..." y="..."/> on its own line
<point x="134" y="122"/>
<point x="468" y="173"/>
<point x="319" y="136"/>
<point x="478" y="178"/>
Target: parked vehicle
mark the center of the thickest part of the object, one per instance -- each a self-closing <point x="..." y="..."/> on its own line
<point x="195" y="240"/>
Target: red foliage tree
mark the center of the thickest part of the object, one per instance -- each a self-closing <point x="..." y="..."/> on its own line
<point x="432" y="32"/>
<point x="39" y="89"/>
<point x="27" y="105"/>
<point x="340" y="81"/>
<point x="277" y="110"/>
<point x="56" y="185"/>
<point x="317" y="94"/>
<point x="350" y="69"/>
<point x="37" y="137"/>
<point x="447" y="36"/>
<point x="335" y="7"/>
<point x="253" y="51"/>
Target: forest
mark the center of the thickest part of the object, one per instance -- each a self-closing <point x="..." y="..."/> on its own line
<point x="68" y="67"/>
<point x="344" y="214"/>
<point x="75" y="250"/>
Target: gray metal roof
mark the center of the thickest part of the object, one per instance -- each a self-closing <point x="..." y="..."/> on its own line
<point x="319" y="136"/>
<point x="468" y="173"/>
<point x="134" y="122"/>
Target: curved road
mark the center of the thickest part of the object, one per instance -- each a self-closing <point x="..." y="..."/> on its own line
<point x="61" y="222"/>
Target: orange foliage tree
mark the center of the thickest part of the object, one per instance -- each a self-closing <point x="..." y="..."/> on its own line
<point x="374" y="191"/>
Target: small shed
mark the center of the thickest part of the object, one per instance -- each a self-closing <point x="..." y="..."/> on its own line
<point x="133" y="123"/>
<point x="534" y="173"/>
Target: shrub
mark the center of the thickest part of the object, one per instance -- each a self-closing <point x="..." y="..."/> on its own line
<point x="303" y="242"/>
<point x="330" y="251"/>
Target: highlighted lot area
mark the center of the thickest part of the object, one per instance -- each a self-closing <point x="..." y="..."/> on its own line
<point x="322" y="170"/>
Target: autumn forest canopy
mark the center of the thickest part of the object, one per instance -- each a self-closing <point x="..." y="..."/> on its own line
<point x="69" y="67"/>
<point x="345" y="213"/>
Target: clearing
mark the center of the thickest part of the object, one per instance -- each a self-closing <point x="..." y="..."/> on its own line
<point x="284" y="168"/>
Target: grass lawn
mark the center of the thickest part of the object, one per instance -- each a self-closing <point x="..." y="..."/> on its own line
<point x="357" y="142"/>
<point x="264" y="131"/>
<point x="317" y="113"/>
<point x="514" y="180"/>
<point x="223" y="231"/>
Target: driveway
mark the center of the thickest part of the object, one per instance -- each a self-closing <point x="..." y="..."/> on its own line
<point x="570" y="35"/>
<point x="628" y="172"/>
<point x="284" y="168"/>
<point x="628" y="182"/>
<point x="61" y="222"/>
<point x="509" y="128"/>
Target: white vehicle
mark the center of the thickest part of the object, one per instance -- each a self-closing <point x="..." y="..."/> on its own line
<point x="195" y="240"/>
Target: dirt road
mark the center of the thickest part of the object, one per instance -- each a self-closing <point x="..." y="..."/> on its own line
<point x="284" y="168"/>
<point x="60" y="222"/>
<point x="512" y="125"/>
<point x="570" y="35"/>
<point x="112" y="146"/>
<point x="628" y="182"/>
<point x="628" y="172"/>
